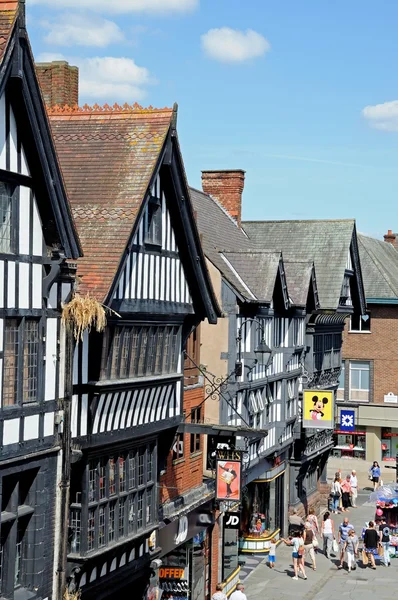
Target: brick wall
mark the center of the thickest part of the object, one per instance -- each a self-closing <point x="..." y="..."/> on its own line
<point x="215" y="536"/>
<point x="59" y="83"/>
<point x="226" y="187"/>
<point x="187" y="472"/>
<point x="379" y="346"/>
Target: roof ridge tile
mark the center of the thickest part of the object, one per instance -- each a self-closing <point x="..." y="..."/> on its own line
<point x="106" y="108"/>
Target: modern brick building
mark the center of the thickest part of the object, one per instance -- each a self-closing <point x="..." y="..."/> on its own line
<point x="369" y="379"/>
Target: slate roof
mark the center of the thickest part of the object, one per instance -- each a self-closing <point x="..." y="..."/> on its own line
<point x="379" y="261"/>
<point x="258" y="270"/>
<point x="108" y="156"/>
<point x="325" y="242"/>
<point x="298" y="278"/>
<point x="8" y="15"/>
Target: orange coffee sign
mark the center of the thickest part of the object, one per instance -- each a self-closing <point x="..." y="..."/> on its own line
<point x="171" y="573"/>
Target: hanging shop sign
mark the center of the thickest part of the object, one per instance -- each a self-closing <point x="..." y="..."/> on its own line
<point x="228" y="474"/>
<point x="185" y="528"/>
<point x="231" y="520"/>
<point x="318" y="409"/>
<point x="347" y="420"/>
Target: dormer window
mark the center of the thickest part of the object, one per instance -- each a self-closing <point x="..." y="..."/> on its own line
<point x="153" y="222"/>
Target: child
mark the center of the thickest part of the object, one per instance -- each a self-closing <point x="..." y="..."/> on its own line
<point x="272" y="553"/>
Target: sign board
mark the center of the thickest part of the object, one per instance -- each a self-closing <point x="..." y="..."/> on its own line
<point x="347" y="420"/>
<point x="318" y="409"/>
<point x="391" y="398"/>
<point x="185" y="528"/>
<point x="231" y="520"/>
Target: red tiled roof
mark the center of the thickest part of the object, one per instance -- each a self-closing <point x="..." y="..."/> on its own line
<point x="107" y="156"/>
<point x="8" y="15"/>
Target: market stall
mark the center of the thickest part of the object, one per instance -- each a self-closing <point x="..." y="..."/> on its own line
<point x="386" y="501"/>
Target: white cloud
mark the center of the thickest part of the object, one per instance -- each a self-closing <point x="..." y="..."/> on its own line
<point x="124" y="6"/>
<point x="382" y="116"/>
<point x="49" y="57"/>
<point x="107" y="79"/>
<point x="79" y="30"/>
<point x="234" y="46"/>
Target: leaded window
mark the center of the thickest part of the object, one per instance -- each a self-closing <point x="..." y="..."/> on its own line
<point x="6" y="219"/>
<point x="21" y="361"/>
<point x="153" y="222"/>
<point x="142" y="351"/>
<point x="120" y="491"/>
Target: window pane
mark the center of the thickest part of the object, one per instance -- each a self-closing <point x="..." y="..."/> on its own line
<point x="140" y="509"/>
<point x="112" y="482"/>
<point x="75" y="525"/>
<point x="5" y="222"/>
<point x="122" y="474"/>
<point x="341" y="377"/>
<point x="122" y="506"/>
<point x="111" y="524"/>
<point x="115" y="353"/>
<point x="149" y="506"/>
<point x="102" y="479"/>
<point x="124" y="354"/>
<point x="135" y="338"/>
<point x="354" y="379"/>
<point x="131" y="513"/>
<point x="30" y="360"/>
<point x="92" y="482"/>
<point x="101" y="526"/>
<point x="360" y="365"/>
<point x="149" y="469"/>
<point x="364" y="382"/>
<point x="143" y="350"/>
<point x="141" y="462"/>
<point x="133" y="470"/>
<point x="91" y="529"/>
<point x="11" y="348"/>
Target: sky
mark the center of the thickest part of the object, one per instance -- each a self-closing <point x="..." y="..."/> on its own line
<point x="301" y="94"/>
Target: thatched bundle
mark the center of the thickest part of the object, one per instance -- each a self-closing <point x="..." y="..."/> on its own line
<point x="83" y="313"/>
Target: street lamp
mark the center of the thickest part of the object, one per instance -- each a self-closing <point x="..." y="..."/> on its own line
<point x="262" y="349"/>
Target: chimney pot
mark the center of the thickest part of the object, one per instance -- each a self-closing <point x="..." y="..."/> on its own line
<point x="391" y="238"/>
<point x="226" y="186"/>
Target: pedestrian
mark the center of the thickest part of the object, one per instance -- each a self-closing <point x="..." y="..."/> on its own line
<point x="219" y="594"/>
<point x="309" y="536"/>
<point x="312" y="519"/>
<point x="296" y="523"/>
<point x="385" y="536"/>
<point x="344" y="530"/>
<point x="238" y="593"/>
<point x="354" y="488"/>
<point x="297" y="541"/>
<point x="371" y="541"/>
<point x="346" y="493"/>
<point x="351" y="547"/>
<point x="272" y="553"/>
<point x="336" y="494"/>
<point x="374" y="473"/>
<point x="328" y="536"/>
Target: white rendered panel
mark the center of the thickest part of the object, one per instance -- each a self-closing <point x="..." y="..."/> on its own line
<point x="1" y="284"/>
<point x="31" y="428"/>
<point x="76" y="363"/>
<point x="52" y="298"/>
<point x="1" y="335"/>
<point x="48" y="424"/>
<point x="65" y="291"/>
<point x="139" y="275"/>
<point x="51" y="359"/>
<point x="163" y="223"/>
<point x="11" y="285"/>
<point x="61" y="364"/>
<point x="83" y="420"/>
<point x="37" y="246"/>
<point x="37" y="280"/>
<point x="74" y="413"/>
<point x="11" y="432"/>
<point x="145" y="277"/>
<point x="3" y="150"/>
<point x="24" y="220"/>
<point x="13" y="143"/>
<point x="85" y="357"/>
<point x="1" y="382"/>
<point x="23" y="285"/>
<point x="24" y="163"/>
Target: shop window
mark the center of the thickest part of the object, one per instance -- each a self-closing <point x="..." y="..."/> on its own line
<point x="21" y="361"/>
<point x="120" y="492"/>
<point x="178" y="447"/>
<point x="142" y="351"/>
<point x="352" y="445"/>
<point x="359" y="381"/>
<point x="360" y="323"/>
<point x="340" y="390"/>
<point x="262" y="508"/>
<point x="196" y="417"/>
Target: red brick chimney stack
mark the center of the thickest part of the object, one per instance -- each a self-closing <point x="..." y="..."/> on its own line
<point x="226" y="187"/>
<point x="59" y="83"/>
<point x="391" y="238"/>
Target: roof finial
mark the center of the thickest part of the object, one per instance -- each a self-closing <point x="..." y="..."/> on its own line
<point x="174" y="117"/>
<point x="22" y="14"/>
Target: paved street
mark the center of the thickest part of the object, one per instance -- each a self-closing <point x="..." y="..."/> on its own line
<point x="327" y="582"/>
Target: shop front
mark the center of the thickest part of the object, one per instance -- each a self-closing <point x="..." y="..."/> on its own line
<point x="186" y="556"/>
<point x="389" y="444"/>
<point x="263" y="502"/>
<point x="350" y="444"/>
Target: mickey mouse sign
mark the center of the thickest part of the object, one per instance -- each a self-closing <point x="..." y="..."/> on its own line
<point x="318" y="409"/>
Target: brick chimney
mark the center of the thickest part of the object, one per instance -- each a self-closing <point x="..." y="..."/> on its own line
<point x="226" y="187"/>
<point x="391" y="238"/>
<point x="59" y="83"/>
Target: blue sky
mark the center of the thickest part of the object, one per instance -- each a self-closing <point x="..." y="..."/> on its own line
<point x="303" y="95"/>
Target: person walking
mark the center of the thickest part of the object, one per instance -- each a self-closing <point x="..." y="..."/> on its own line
<point x="346" y="493"/>
<point x="297" y="542"/>
<point x="375" y="473"/>
<point x="309" y="536"/>
<point x="371" y="541"/>
<point x="336" y="494"/>
<point x="344" y="530"/>
<point x="354" y="488"/>
<point x="327" y="531"/>
<point x="313" y="520"/>
<point x="272" y="553"/>
<point x="351" y="547"/>
<point x="385" y="536"/>
<point x="238" y="593"/>
<point x="219" y="594"/>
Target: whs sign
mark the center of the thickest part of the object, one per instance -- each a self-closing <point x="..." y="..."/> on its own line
<point x="231" y="520"/>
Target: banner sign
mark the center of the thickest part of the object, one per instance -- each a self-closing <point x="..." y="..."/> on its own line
<point x="318" y="409"/>
<point x="231" y="520"/>
<point x="347" y="420"/>
<point x="228" y="474"/>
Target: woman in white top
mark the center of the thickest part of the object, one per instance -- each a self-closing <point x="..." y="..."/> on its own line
<point x="297" y="542"/>
<point x="336" y="493"/>
<point x="327" y="531"/>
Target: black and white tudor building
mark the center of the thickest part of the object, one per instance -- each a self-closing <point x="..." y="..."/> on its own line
<point x="142" y="258"/>
<point x="36" y="236"/>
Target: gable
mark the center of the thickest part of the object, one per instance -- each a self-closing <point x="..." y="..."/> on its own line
<point x="152" y="272"/>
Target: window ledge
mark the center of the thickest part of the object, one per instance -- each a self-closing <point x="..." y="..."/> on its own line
<point x="178" y="461"/>
<point x="195" y="454"/>
<point x="358" y="331"/>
